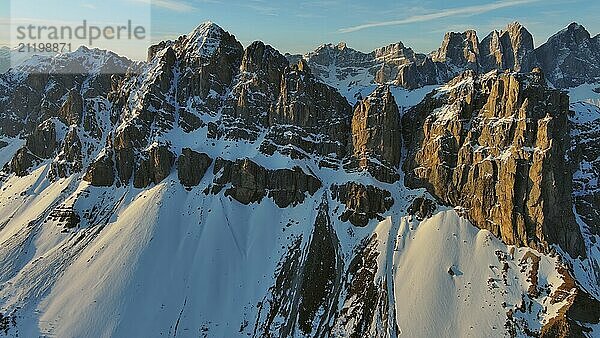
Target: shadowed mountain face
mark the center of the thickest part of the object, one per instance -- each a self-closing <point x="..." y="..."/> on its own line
<point x="217" y="190"/>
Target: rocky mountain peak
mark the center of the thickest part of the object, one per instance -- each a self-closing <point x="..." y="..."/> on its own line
<point x="205" y="39"/>
<point x="261" y="57"/>
<point x="514" y="27"/>
<point x="569" y="58"/>
<point x="459" y="49"/>
<point x="506" y="49"/>
<point x="575" y="27"/>
<point x="395" y="52"/>
<point x="376" y="139"/>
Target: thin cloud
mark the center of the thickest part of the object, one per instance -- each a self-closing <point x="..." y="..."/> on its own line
<point x="470" y="10"/>
<point x="262" y="7"/>
<point x="173" y="5"/>
<point x="89" y="6"/>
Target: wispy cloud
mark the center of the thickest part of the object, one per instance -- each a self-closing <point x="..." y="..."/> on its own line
<point x="469" y="10"/>
<point x="262" y="7"/>
<point x="89" y="6"/>
<point x="173" y="5"/>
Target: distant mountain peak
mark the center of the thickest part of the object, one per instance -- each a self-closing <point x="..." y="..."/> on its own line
<point x="574" y="30"/>
<point x="206" y="28"/>
<point x="575" y="26"/>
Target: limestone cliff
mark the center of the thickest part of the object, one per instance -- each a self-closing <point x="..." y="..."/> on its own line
<point x="495" y="145"/>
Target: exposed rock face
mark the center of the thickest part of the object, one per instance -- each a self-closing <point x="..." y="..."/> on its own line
<point x="570" y="57"/>
<point x="65" y="216"/>
<point x="585" y="157"/>
<point x="321" y="112"/>
<point x="574" y="318"/>
<point x="363" y="203"/>
<point x="422" y="208"/>
<point x="307" y="286"/>
<point x="401" y="66"/>
<point x="250" y="182"/>
<point x="191" y="167"/>
<point x="71" y="111"/>
<point x="365" y="311"/>
<point x="35" y="91"/>
<point x="506" y="49"/>
<point x="321" y="276"/>
<point x="345" y="68"/>
<point x="346" y="61"/>
<point x="376" y="138"/>
<point x="70" y="158"/>
<point x="21" y="163"/>
<point x="155" y="167"/>
<point x="459" y="50"/>
<point x="209" y="59"/>
<point x="496" y="146"/>
<point x="101" y="172"/>
<point x="261" y="71"/>
<point x="42" y="142"/>
<point x="255" y="94"/>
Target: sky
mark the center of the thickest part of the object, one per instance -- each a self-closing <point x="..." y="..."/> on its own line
<point x="300" y="26"/>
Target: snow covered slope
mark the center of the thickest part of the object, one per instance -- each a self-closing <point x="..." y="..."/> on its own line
<point x="171" y="262"/>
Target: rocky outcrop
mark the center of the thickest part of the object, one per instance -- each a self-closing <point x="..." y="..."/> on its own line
<point x="496" y="145"/>
<point x="459" y="50"/>
<point x="392" y="64"/>
<point x="71" y="111"/>
<point x="346" y="61"/>
<point x="365" y="310"/>
<point x="101" y="172"/>
<point x="54" y="86"/>
<point x="362" y="203"/>
<point x="308" y="115"/>
<point x="70" y="157"/>
<point x="21" y="162"/>
<point x="42" y="142"/>
<point x="209" y="59"/>
<point x="263" y="66"/>
<point x="585" y="158"/>
<point x="422" y="208"/>
<point x="248" y="182"/>
<point x="155" y="166"/>
<point x="575" y="317"/>
<point x="191" y="167"/>
<point x="307" y="285"/>
<point x="392" y="57"/>
<point x="376" y="139"/>
<point x="256" y="93"/>
<point x="321" y="276"/>
<point x="65" y="216"/>
<point x="506" y="49"/>
<point x="569" y="58"/>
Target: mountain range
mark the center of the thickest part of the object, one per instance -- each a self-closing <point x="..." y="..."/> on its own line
<point x="219" y="190"/>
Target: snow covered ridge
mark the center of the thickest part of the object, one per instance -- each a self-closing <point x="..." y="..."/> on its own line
<point x="224" y="191"/>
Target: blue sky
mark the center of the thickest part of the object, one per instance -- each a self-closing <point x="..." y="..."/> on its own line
<point x="301" y="25"/>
